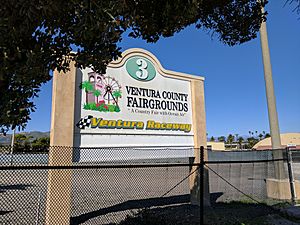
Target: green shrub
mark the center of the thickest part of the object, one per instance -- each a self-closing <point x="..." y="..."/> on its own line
<point x="90" y="106"/>
<point x="86" y="106"/>
<point x="111" y="108"/>
<point x="93" y="106"/>
<point x="103" y="108"/>
<point x="117" y="109"/>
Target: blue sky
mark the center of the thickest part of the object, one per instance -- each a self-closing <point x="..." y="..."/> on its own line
<point x="234" y="79"/>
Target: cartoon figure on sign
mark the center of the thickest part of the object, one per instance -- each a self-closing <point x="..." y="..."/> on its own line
<point x="102" y="93"/>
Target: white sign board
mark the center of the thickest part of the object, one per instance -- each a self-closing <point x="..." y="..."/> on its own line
<point x="133" y="105"/>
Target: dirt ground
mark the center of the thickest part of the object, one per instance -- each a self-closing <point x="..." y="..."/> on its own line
<point x="103" y="196"/>
<point x="233" y="213"/>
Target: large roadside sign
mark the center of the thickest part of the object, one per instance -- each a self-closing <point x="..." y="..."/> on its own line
<point x="136" y="104"/>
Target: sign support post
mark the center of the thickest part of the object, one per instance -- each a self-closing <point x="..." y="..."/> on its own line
<point x="58" y="203"/>
<point x="199" y="122"/>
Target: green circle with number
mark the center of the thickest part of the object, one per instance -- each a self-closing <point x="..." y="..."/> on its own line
<point x="140" y="68"/>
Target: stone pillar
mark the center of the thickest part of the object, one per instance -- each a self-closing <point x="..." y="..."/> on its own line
<point x="199" y="128"/>
<point x="58" y="204"/>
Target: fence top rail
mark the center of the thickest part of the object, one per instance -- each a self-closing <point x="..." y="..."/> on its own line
<point x="177" y="147"/>
<point x="246" y="150"/>
<point x="170" y="147"/>
<point x="99" y="166"/>
<point x="243" y="161"/>
<point x="109" y="165"/>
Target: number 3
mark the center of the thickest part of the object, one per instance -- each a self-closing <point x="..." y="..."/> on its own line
<point x="142" y="73"/>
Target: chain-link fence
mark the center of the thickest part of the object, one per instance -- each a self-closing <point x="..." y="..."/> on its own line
<point x="115" y="185"/>
<point x="236" y="173"/>
<point x="252" y="184"/>
<point x="108" y="184"/>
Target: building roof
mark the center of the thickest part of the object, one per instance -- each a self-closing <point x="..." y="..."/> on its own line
<point x="286" y="139"/>
<point x="216" y="145"/>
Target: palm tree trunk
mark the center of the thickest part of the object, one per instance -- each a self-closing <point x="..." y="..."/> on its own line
<point x="86" y="97"/>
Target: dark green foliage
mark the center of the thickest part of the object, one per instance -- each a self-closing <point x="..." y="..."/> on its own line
<point x="241" y="143"/>
<point x="251" y="141"/>
<point x="25" y="143"/>
<point x="267" y="135"/>
<point x="43" y="141"/>
<point x="36" y="37"/>
<point x="230" y="139"/>
<point x="222" y="138"/>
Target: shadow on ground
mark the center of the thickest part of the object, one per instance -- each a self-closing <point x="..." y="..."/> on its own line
<point x="176" y="210"/>
<point x="130" y="205"/>
<point x="233" y="213"/>
<point x="18" y="187"/>
<point x="3" y="212"/>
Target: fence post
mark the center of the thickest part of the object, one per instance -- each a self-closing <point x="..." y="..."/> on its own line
<point x="12" y="147"/>
<point x="201" y="185"/>
<point x="59" y="185"/>
<point x="291" y="176"/>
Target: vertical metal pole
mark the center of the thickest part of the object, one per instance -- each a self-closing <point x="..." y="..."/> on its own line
<point x="201" y="185"/>
<point x="12" y="146"/>
<point x="271" y="101"/>
<point x="291" y="176"/>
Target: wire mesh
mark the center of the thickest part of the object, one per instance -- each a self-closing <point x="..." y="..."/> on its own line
<point x="108" y="185"/>
<point x="247" y="187"/>
<point x="104" y="189"/>
<point x="247" y="171"/>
